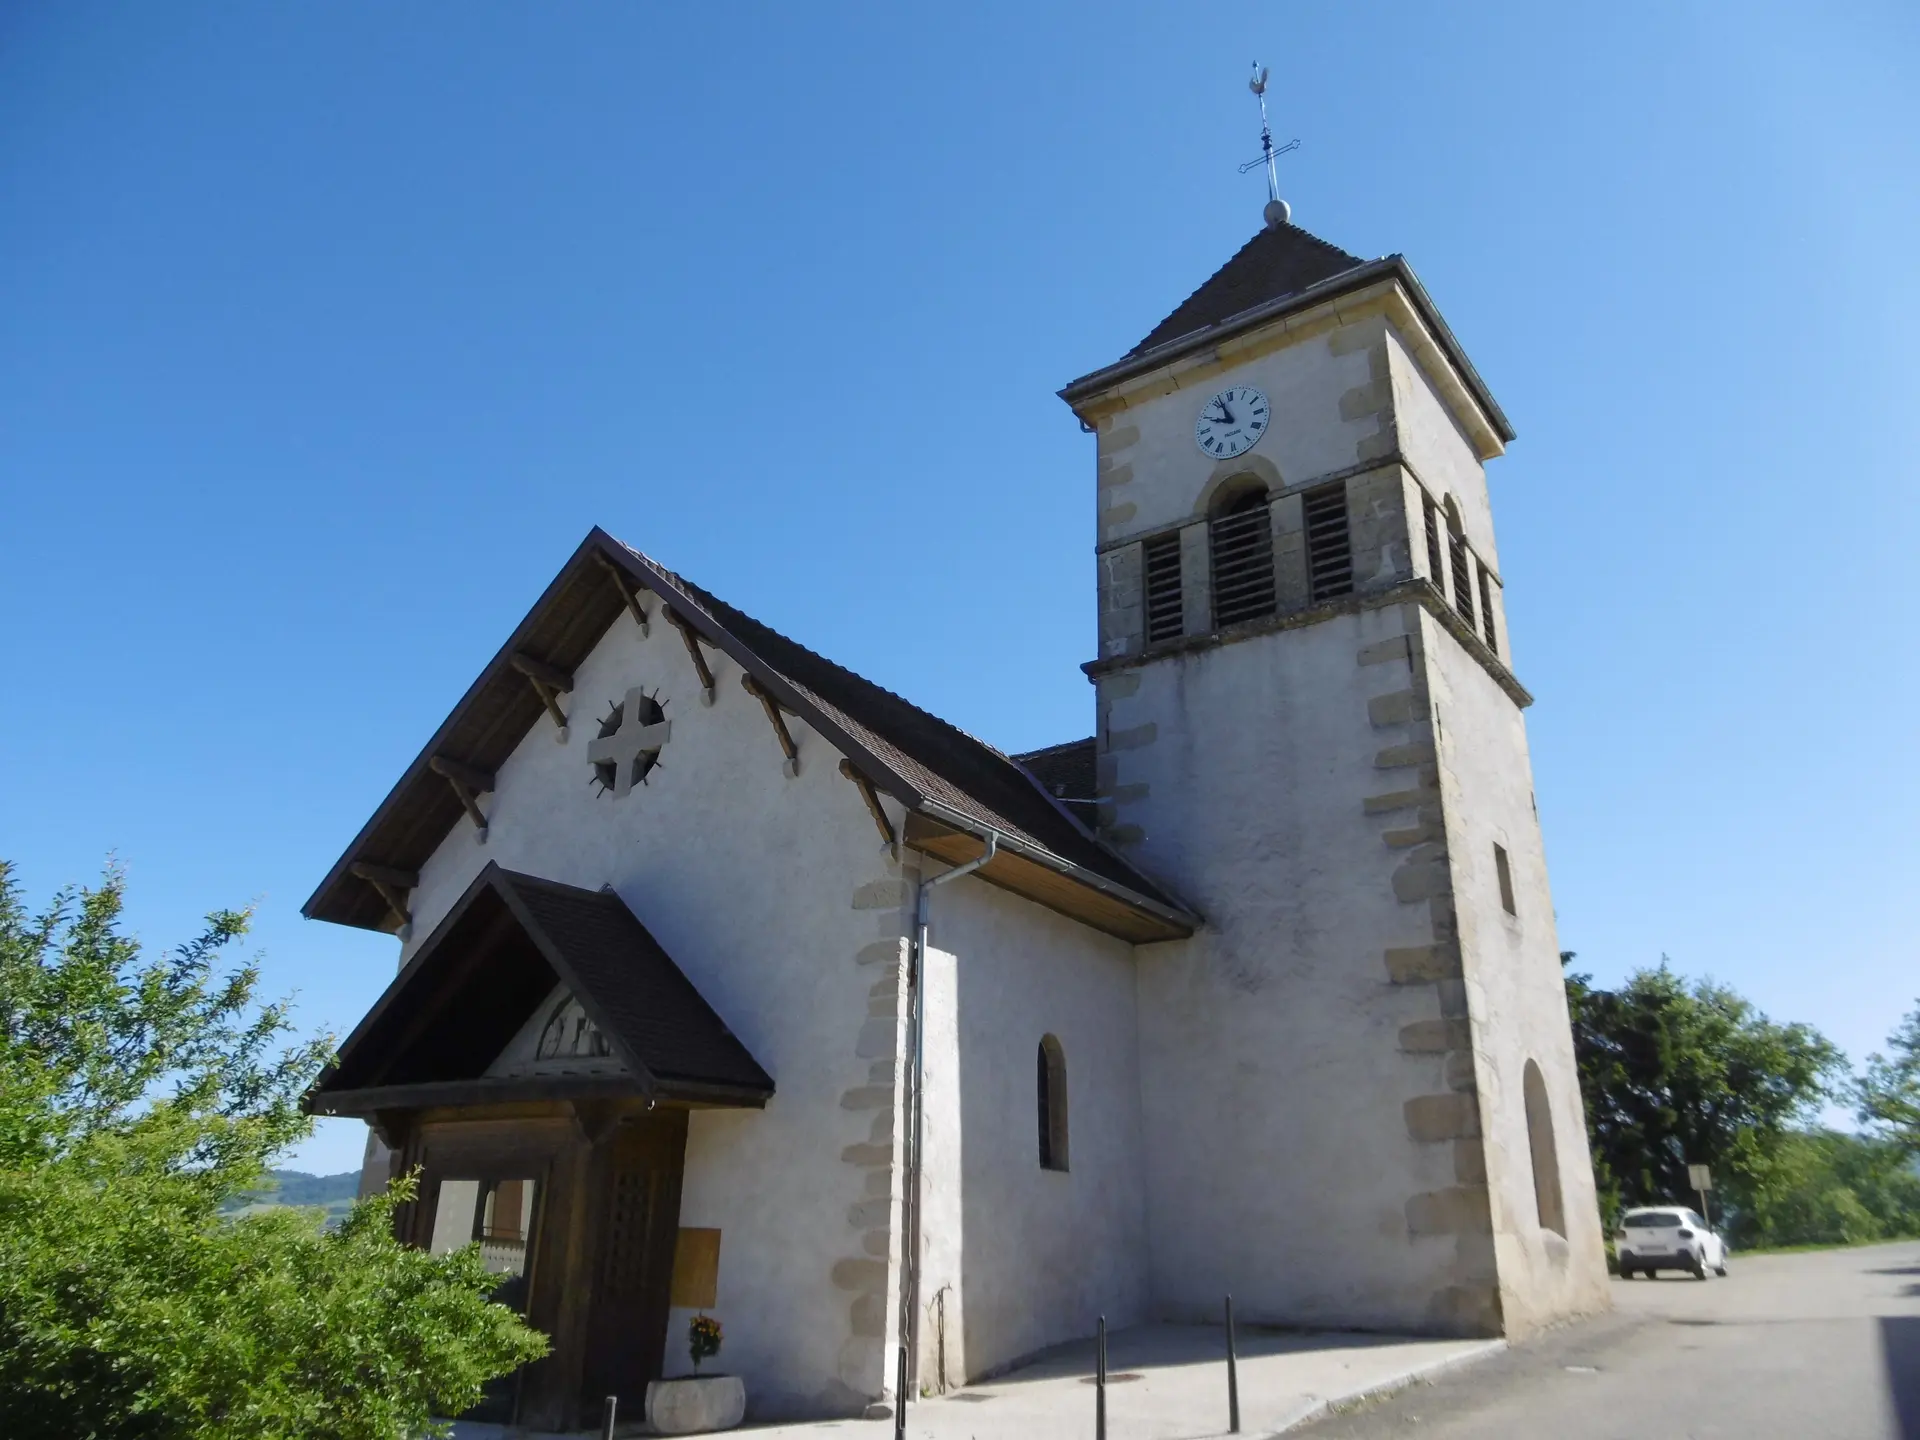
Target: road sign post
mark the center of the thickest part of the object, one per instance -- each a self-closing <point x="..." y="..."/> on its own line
<point x="1701" y="1178"/>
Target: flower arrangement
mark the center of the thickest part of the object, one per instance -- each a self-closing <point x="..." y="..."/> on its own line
<point x="703" y="1339"/>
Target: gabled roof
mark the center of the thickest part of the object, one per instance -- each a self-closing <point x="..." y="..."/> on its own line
<point x="1280" y="260"/>
<point x="497" y="954"/>
<point x="958" y="789"/>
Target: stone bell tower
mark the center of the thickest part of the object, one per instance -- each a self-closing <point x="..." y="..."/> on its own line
<point x="1358" y="1081"/>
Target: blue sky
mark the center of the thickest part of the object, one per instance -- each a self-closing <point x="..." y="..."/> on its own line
<point x="326" y="332"/>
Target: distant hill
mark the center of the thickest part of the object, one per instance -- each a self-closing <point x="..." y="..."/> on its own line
<point x="332" y="1193"/>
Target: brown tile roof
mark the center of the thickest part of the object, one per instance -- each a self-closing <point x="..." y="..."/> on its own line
<point x="1065" y="771"/>
<point x="942" y="761"/>
<point x="1279" y="261"/>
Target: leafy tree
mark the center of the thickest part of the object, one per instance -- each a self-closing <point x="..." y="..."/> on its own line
<point x="1889" y="1092"/>
<point x="1676" y="1073"/>
<point x="1822" y="1187"/>
<point x="135" y="1096"/>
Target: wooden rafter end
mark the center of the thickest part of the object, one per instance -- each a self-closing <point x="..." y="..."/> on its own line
<point x="390" y="884"/>
<point x="779" y="722"/>
<point x="549" y="682"/>
<point x="872" y="797"/>
<point x="694" y="652"/>
<point x="468" y="783"/>
<point x="627" y="592"/>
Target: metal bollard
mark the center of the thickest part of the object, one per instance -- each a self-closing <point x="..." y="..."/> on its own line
<point x="606" y="1425"/>
<point x="900" y="1398"/>
<point x="1233" y="1376"/>
<point x="1100" y="1381"/>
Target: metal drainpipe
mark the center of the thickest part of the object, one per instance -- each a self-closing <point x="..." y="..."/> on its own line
<point x="909" y="1368"/>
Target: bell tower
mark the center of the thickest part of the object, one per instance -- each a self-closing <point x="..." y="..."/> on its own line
<point x="1359" y="1094"/>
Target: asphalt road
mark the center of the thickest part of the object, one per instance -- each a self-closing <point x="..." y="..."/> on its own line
<point x="1821" y="1345"/>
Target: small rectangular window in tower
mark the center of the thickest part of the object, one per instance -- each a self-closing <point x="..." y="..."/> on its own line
<point x="1486" y="611"/>
<point x="1436" y="566"/>
<point x="1329" y="543"/>
<point x="1241" y="545"/>
<point x="1462" y="576"/>
<point x="1505" y="872"/>
<point x="1160" y="566"/>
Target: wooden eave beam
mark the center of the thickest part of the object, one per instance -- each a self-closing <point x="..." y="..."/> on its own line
<point x="548" y="681"/>
<point x="872" y="797"/>
<point x="468" y="782"/>
<point x="779" y="722"/>
<point x="552" y="676"/>
<point x="627" y="593"/>
<point x="694" y="652"/>
<point x="391" y="884"/>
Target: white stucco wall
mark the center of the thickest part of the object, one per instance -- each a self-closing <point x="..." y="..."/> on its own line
<point x="752" y="881"/>
<point x="1271" y="1077"/>
<point x="1028" y="1257"/>
<point x="1516" y="989"/>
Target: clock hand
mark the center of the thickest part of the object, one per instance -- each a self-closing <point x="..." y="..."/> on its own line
<point x="1226" y="412"/>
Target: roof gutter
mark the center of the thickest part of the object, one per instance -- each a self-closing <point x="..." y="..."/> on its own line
<point x="1040" y="855"/>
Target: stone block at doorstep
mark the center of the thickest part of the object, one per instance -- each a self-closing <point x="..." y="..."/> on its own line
<point x="696" y="1404"/>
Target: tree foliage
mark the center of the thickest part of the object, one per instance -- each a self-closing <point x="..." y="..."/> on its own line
<point x="1889" y="1092"/>
<point x="135" y="1096"/>
<point x="1823" y="1187"/>
<point x="1677" y="1073"/>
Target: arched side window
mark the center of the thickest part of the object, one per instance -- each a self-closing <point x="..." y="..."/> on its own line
<point x="1546" y="1164"/>
<point x="1052" y="1086"/>
<point x="1240" y="547"/>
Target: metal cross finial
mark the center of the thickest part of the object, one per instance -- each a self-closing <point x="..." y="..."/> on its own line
<point x="1277" y="209"/>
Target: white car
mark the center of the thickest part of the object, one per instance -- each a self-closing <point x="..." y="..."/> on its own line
<point x="1668" y="1237"/>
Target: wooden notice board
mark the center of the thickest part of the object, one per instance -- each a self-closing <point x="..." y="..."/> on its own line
<point x="696" y="1269"/>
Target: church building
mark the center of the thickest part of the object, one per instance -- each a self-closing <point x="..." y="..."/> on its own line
<point x="731" y="982"/>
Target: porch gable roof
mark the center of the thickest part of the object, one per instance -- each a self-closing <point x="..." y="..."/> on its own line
<point x="497" y="955"/>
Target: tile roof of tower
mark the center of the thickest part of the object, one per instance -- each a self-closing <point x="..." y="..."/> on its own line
<point x="1279" y="261"/>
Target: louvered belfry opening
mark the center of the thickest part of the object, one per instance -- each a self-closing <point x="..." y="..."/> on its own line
<point x="1486" y="611"/>
<point x="1240" y="540"/>
<point x="1329" y="542"/>
<point x="1162" y="582"/>
<point x="1436" y="563"/>
<point x="1462" y="577"/>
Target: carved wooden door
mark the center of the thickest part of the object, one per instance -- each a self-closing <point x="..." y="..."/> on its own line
<point x="633" y="1263"/>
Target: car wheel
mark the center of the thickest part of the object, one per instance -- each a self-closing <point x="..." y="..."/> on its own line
<point x="1626" y="1272"/>
<point x="1721" y="1268"/>
<point x="1699" y="1266"/>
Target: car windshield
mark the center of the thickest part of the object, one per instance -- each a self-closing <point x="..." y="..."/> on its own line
<point x="1652" y="1220"/>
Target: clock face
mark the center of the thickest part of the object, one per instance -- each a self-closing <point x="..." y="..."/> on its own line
<point x="1232" y="422"/>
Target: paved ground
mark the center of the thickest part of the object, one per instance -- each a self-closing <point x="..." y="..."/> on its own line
<point x="1166" y="1382"/>
<point x="1824" y="1346"/>
<point x="1821" y="1345"/>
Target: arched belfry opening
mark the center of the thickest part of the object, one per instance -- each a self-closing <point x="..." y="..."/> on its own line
<point x="1240" y="551"/>
<point x="1547" y="1201"/>
<point x="1051" y="1084"/>
<point x="1459" y="561"/>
